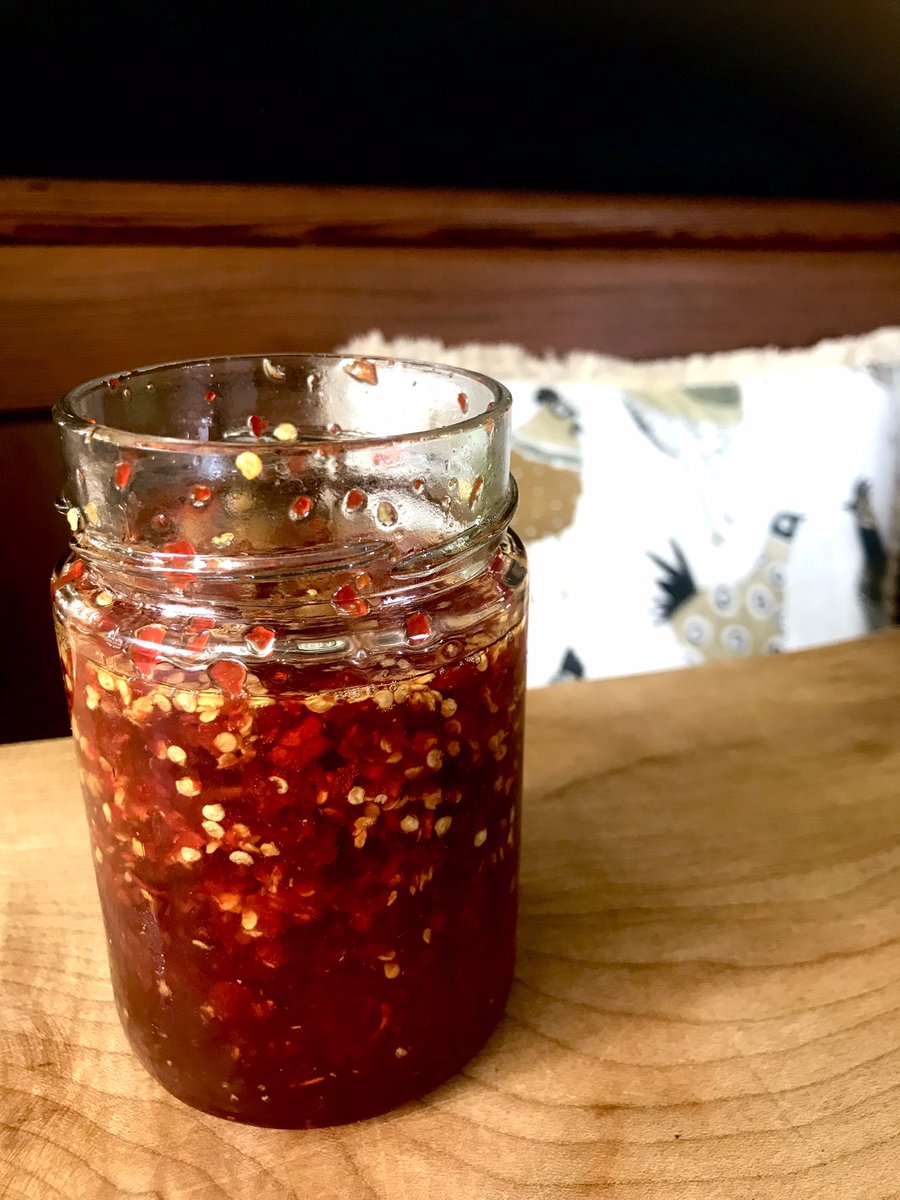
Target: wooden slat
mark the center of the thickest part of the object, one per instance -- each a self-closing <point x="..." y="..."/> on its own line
<point x="96" y="212"/>
<point x="33" y="536"/>
<point x="70" y="313"/>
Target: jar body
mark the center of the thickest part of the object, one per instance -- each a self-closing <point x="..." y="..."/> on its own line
<point x="307" y="861"/>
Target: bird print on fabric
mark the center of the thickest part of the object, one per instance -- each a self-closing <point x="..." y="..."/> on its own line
<point x="729" y="620"/>
<point x="875" y="558"/>
<point x="570" y="668"/>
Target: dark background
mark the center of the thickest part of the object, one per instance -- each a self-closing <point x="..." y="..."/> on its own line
<point x="693" y="97"/>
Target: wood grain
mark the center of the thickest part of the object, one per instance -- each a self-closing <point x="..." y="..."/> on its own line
<point x="707" y="1004"/>
<point x="103" y="212"/>
<point x="69" y="313"/>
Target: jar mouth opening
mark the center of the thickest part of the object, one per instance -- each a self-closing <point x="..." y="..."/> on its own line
<point x="209" y="405"/>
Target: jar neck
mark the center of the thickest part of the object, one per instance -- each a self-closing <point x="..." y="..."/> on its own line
<point x="236" y="462"/>
<point x="307" y="578"/>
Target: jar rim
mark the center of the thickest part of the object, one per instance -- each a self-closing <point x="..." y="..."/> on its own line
<point x="65" y="411"/>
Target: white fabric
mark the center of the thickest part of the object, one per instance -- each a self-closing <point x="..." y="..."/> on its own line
<point x="813" y="423"/>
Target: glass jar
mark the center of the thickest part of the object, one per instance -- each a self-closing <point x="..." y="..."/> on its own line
<point x="292" y="633"/>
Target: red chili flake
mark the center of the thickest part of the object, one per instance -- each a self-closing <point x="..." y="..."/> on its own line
<point x="300" y="508"/>
<point x="198" y="643"/>
<point x="349" y="601"/>
<point x="229" y="1001"/>
<point x="75" y="571"/>
<point x="229" y="675"/>
<point x="363" y="370"/>
<point x="122" y="474"/>
<point x="175" y="571"/>
<point x="258" y="425"/>
<point x="260" y="639"/>
<point x="418" y="485"/>
<point x="418" y="627"/>
<point x="113" y="383"/>
<point x="300" y="745"/>
<point x="476" y="491"/>
<point x="199" y="627"/>
<point x="210" y="397"/>
<point x="463" y="401"/>
<point x="200" y="494"/>
<point x="144" y="654"/>
<point x="363" y="581"/>
<point x="355" y="500"/>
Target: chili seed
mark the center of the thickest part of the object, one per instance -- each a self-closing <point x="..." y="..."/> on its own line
<point x="386" y="514"/>
<point x="273" y="371"/>
<point x="249" y="464"/>
<point x="362" y="370"/>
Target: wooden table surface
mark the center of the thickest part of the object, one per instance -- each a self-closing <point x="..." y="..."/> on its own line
<point x="707" y="1004"/>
